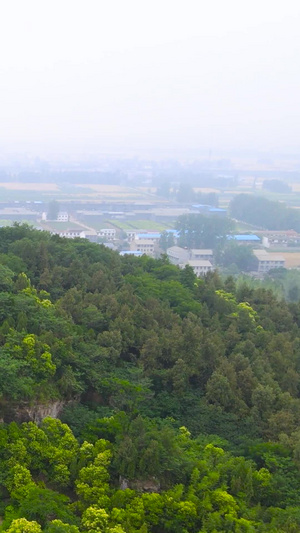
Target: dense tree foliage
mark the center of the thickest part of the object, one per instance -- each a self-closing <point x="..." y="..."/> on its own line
<point x="53" y="210"/>
<point x="181" y="395"/>
<point x="264" y="213"/>
<point x="199" y="231"/>
<point x="276" y="186"/>
<point x="166" y="240"/>
<point x="284" y="283"/>
<point x="234" y="255"/>
<point x="187" y="194"/>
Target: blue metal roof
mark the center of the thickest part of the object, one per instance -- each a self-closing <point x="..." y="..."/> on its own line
<point x="209" y="208"/>
<point x="249" y="237"/>
<point x="131" y="252"/>
<point x="149" y="235"/>
<point x="174" y="232"/>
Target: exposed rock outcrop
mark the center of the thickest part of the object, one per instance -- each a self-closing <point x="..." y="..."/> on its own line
<point x="30" y="413"/>
<point x="141" y="485"/>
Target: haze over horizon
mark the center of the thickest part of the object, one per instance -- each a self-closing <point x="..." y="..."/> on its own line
<point x="155" y="76"/>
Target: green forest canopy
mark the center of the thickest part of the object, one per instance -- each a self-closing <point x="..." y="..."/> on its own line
<point x="264" y="213"/>
<point x="181" y="395"/>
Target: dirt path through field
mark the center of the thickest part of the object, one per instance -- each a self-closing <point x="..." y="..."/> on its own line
<point x="91" y="230"/>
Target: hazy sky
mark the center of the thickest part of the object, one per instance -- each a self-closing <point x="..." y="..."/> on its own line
<point x="141" y="74"/>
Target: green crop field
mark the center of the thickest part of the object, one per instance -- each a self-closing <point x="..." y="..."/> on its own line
<point x="60" y="226"/>
<point x="149" y="225"/>
<point x="146" y="225"/>
<point x="118" y="224"/>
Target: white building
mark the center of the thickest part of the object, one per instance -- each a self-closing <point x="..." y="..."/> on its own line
<point x="107" y="233"/>
<point x="198" y="259"/>
<point x="62" y="216"/>
<point x="149" y="236"/>
<point x="70" y="233"/>
<point x="130" y="235"/>
<point x="177" y="255"/>
<point x="280" y="239"/>
<point x="201" y="253"/>
<point x="200" y="266"/>
<point x="144" y="246"/>
<point x="267" y="261"/>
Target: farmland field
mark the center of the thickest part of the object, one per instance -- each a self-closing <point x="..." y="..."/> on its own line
<point x="146" y="225"/>
<point x="117" y="224"/>
<point x="97" y="222"/>
<point x="105" y="189"/>
<point x="149" y="225"/>
<point x="292" y="259"/>
<point x="66" y="192"/>
<point x="60" y="226"/>
<point x="15" y="186"/>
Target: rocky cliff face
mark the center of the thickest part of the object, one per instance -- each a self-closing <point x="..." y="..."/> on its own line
<point x="30" y="413"/>
<point x="141" y="485"/>
<point x="38" y="412"/>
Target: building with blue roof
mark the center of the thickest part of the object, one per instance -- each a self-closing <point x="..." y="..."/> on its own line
<point x="148" y="236"/>
<point x="245" y="238"/>
<point x="210" y="210"/>
<point x="131" y="252"/>
<point x="173" y="231"/>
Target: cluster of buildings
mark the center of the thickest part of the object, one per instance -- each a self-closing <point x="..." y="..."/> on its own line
<point x="209" y="210"/>
<point x="269" y="239"/>
<point x="200" y="260"/>
<point x="265" y="260"/>
<point x="158" y="212"/>
<point x="146" y="243"/>
<point x="280" y="239"/>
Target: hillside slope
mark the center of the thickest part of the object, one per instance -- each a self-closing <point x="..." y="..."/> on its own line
<point x="182" y="392"/>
